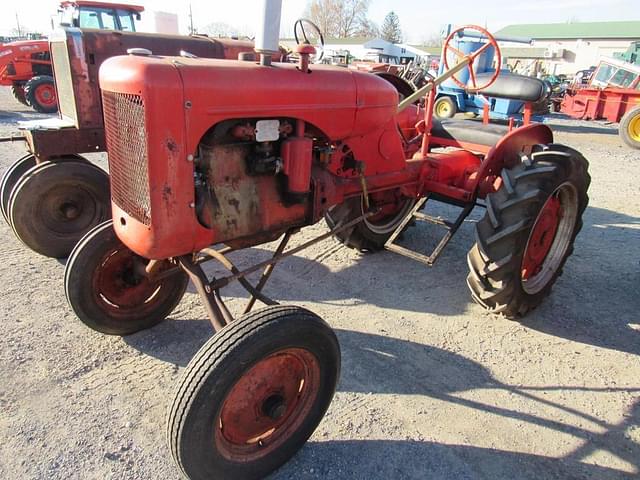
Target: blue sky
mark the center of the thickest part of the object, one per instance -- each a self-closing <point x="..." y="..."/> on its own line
<point x="419" y="18"/>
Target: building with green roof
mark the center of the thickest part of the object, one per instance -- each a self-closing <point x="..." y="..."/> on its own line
<point x="569" y="47"/>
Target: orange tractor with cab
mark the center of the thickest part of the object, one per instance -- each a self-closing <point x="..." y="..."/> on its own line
<point x="25" y="65"/>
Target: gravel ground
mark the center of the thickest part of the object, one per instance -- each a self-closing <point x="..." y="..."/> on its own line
<point x="431" y="386"/>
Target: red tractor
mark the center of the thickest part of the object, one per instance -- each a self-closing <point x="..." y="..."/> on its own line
<point x="25" y="66"/>
<point x="238" y="153"/>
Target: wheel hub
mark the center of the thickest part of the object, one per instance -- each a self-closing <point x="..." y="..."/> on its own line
<point x="118" y="286"/>
<point x="634" y="128"/>
<point x="542" y="237"/>
<point x="267" y="404"/>
<point x="549" y="239"/>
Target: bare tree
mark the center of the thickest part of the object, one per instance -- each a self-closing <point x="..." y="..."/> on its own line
<point x="340" y="18"/>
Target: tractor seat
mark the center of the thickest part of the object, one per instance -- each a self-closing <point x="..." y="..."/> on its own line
<point x="513" y="87"/>
<point x="468" y="131"/>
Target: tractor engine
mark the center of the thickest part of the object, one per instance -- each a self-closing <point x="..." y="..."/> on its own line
<point x="204" y="151"/>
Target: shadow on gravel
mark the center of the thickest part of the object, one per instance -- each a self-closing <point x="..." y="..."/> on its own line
<point x="590" y="130"/>
<point x="377" y="364"/>
<point x="389" y="459"/>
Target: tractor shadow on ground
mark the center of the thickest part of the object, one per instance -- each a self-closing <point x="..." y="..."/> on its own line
<point x="397" y="459"/>
<point x="381" y="365"/>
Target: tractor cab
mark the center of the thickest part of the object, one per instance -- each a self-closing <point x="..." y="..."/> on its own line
<point x="100" y="15"/>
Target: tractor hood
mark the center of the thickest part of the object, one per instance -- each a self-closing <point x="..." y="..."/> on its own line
<point x="338" y="101"/>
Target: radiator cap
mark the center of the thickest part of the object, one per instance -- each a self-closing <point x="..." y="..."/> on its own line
<point x="139" y="51"/>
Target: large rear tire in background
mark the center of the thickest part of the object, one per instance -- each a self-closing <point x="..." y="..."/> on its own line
<point x="17" y="90"/>
<point x="629" y="129"/>
<point x="106" y="289"/>
<point x="253" y="394"/>
<point x="528" y="231"/>
<point x="40" y="93"/>
<point x="54" y="204"/>
<point x="445" y="107"/>
<point x="370" y="234"/>
<point x="10" y="178"/>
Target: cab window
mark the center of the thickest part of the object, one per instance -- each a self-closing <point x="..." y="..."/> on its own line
<point x="126" y="21"/>
<point x="101" y="18"/>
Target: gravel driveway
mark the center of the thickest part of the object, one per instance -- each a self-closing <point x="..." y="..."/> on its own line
<point x="431" y="386"/>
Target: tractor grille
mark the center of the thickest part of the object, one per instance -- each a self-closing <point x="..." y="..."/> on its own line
<point x="127" y="147"/>
<point x="64" y="80"/>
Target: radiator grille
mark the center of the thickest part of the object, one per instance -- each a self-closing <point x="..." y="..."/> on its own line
<point x="127" y="147"/>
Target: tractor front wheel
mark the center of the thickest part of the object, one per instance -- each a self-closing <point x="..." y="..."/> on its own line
<point x="528" y="231"/>
<point x="629" y="129"/>
<point x="253" y="394"/>
<point x="107" y="289"/>
<point x="55" y="203"/>
<point x="40" y="93"/>
<point x="370" y="234"/>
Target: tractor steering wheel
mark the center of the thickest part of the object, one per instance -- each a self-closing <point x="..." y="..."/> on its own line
<point x="315" y="39"/>
<point x="448" y="48"/>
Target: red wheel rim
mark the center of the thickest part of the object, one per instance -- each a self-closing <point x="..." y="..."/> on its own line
<point x="119" y="288"/>
<point x="542" y="236"/>
<point x="392" y="208"/>
<point x="491" y="42"/>
<point x="267" y="404"/>
<point x="46" y="94"/>
<point x="550" y="239"/>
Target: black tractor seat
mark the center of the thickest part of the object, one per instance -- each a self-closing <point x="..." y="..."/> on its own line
<point x="513" y="87"/>
<point x="468" y="131"/>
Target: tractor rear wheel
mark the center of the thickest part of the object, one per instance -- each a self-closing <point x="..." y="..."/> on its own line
<point x="370" y="234"/>
<point x="253" y="394"/>
<point x="630" y="128"/>
<point x="444" y="107"/>
<point x="17" y="89"/>
<point x="528" y="230"/>
<point x="9" y="179"/>
<point x="106" y="288"/>
<point x="55" y="203"/>
<point x="40" y="93"/>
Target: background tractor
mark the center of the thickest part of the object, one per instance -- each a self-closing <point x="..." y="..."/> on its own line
<point x="52" y="195"/>
<point x="202" y="164"/>
<point x="25" y="66"/>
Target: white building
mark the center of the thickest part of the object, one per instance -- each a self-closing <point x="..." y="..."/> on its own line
<point x="569" y="47"/>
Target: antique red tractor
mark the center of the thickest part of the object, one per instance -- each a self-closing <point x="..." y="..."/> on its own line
<point x="238" y="153"/>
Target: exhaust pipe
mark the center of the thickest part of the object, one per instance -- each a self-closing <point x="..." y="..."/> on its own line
<point x="268" y="34"/>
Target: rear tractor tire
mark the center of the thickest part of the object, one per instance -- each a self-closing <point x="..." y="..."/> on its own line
<point x="105" y="288"/>
<point x="370" y="234"/>
<point x="253" y="394"/>
<point x="40" y="94"/>
<point x="528" y="231"/>
<point x="54" y="204"/>
<point x="17" y="90"/>
<point x="629" y="129"/>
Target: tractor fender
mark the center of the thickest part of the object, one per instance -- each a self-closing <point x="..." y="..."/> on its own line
<point x="507" y="152"/>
